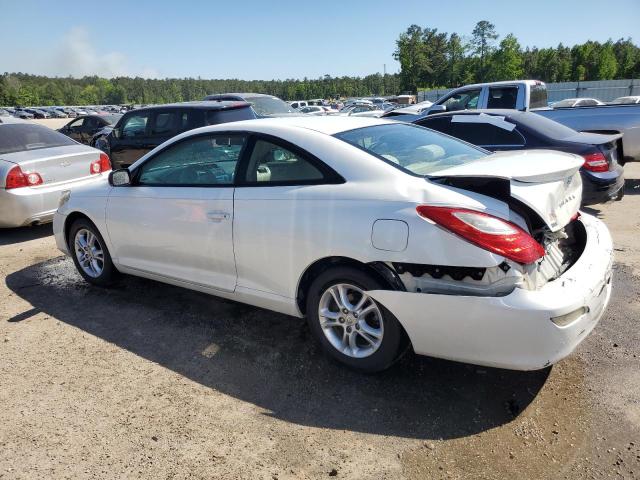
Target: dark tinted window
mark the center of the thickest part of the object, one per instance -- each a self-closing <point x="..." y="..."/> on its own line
<point x="213" y="117"/>
<point x="537" y="96"/>
<point x="482" y="134"/>
<point x="272" y="163"/>
<point x="20" y="137"/>
<point x="164" y="123"/>
<point x="502" y="97"/>
<point x="199" y="161"/>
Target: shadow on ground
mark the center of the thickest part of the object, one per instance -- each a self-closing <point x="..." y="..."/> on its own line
<point x="10" y="236"/>
<point x="270" y="360"/>
<point x="632" y="186"/>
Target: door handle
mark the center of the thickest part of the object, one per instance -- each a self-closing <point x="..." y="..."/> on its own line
<point x="218" y="216"/>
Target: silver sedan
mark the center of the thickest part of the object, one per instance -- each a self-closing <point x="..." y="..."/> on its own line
<point x="37" y="165"/>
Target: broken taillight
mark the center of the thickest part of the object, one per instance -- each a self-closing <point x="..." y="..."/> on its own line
<point x="486" y="231"/>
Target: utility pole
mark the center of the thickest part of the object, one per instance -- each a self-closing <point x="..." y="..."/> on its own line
<point x="384" y="79"/>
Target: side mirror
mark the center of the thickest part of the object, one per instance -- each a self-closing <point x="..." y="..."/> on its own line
<point x="437" y="109"/>
<point x="120" y="178"/>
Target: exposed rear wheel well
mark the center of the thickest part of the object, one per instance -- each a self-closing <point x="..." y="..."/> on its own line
<point x="377" y="270"/>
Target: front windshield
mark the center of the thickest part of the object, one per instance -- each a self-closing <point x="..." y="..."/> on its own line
<point x="266" y="106"/>
<point x="414" y="149"/>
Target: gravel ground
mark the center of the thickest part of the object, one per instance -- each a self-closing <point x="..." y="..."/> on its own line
<point x="151" y="381"/>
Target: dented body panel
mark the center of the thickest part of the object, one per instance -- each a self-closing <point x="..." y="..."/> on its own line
<point x="514" y="331"/>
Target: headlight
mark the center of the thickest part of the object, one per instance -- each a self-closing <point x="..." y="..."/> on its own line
<point x="64" y="198"/>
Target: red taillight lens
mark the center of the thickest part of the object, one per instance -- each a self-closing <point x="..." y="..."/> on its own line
<point x="486" y="231"/>
<point x="102" y="165"/>
<point x="16" y="178"/>
<point x="595" y="162"/>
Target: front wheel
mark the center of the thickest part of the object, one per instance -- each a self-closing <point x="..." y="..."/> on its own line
<point x="90" y="254"/>
<point x="349" y="324"/>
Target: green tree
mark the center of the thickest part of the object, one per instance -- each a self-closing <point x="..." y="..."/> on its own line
<point x="506" y="63"/>
<point x="484" y="34"/>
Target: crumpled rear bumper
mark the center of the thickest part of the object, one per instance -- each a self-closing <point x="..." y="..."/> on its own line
<point x="514" y="331"/>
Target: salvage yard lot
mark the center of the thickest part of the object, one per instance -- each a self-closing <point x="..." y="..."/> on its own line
<point x="152" y="381"/>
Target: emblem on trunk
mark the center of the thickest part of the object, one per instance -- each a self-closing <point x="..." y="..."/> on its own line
<point x="65" y="163"/>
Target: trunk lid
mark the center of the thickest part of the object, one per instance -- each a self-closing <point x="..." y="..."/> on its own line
<point x="547" y="182"/>
<point x="56" y="164"/>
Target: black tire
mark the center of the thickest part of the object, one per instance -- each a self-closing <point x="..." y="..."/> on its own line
<point x="394" y="341"/>
<point x="109" y="274"/>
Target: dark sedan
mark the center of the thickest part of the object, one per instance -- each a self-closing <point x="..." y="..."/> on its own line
<point x="82" y="129"/>
<point x="496" y="130"/>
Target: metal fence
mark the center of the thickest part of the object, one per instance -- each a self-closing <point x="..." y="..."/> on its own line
<point x="605" y="90"/>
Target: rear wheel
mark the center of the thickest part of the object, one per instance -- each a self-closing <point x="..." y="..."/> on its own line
<point x="90" y="254"/>
<point x="349" y="324"/>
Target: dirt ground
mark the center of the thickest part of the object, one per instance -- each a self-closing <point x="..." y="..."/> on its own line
<point x="151" y="381"/>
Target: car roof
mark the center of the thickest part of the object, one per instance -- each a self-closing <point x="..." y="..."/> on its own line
<point x="213" y="96"/>
<point x="8" y="120"/>
<point x="200" y="104"/>
<point x="329" y="125"/>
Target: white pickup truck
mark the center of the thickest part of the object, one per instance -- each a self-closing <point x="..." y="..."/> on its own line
<point x="531" y="95"/>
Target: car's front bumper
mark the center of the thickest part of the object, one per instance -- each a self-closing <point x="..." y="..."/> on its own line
<point x="514" y="331"/>
<point x="34" y="205"/>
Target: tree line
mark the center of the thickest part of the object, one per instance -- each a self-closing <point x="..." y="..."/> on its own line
<point x="432" y="59"/>
<point x="428" y="59"/>
<point x="24" y="89"/>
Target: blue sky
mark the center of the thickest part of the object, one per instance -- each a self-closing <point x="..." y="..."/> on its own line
<point x="272" y="39"/>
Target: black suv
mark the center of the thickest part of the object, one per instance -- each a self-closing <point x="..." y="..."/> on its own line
<point x="141" y="130"/>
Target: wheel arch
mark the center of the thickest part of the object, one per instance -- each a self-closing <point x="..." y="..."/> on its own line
<point x="71" y="218"/>
<point x="378" y="270"/>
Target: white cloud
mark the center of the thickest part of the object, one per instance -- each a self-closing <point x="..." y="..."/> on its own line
<point x="74" y="54"/>
<point x="77" y="56"/>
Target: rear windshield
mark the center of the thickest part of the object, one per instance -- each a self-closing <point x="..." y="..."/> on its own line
<point x="20" y="137"/>
<point x="413" y="149"/>
<point x="543" y="125"/>
<point x="266" y="106"/>
<point x="229" y="115"/>
<point x="112" y="119"/>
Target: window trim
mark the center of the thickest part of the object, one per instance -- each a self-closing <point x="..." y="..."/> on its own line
<point x="330" y="176"/>
<point x="135" y="173"/>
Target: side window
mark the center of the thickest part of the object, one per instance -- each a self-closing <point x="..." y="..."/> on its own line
<point x="77" y="124"/>
<point x="164" y="123"/>
<point x="467" y="100"/>
<point x="214" y="117"/>
<point x="271" y="163"/>
<point x="439" y="124"/>
<point x="135" y="125"/>
<point x="201" y="161"/>
<point x="502" y="97"/>
<point x="91" y="123"/>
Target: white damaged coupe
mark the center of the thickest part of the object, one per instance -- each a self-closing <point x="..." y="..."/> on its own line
<point x="385" y="236"/>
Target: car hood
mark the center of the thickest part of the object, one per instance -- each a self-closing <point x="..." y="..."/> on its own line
<point x="548" y="182"/>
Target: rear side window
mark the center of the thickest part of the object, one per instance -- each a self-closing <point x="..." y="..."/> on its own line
<point x="272" y="163"/>
<point x="484" y="134"/>
<point x="213" y="117"/>
<point x="20" y="137"/>
<point x="502" y="97"/>
<point x="538" y="96"/>
<point x="164" y="123"/>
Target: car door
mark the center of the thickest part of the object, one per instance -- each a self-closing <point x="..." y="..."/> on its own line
<point x="126" y="140"/>
<point x="280" y="199"/>
<point x="88" y="129"/>
<point x="176" y="218"/>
